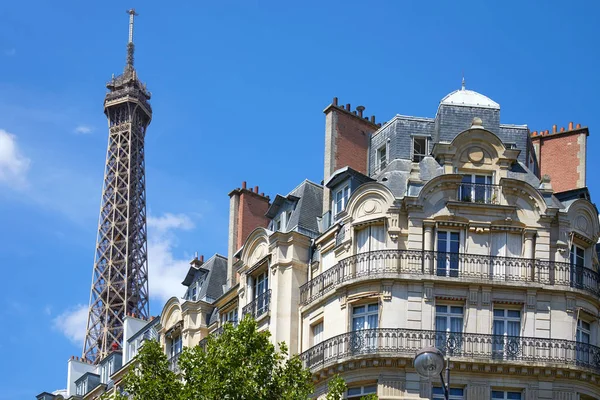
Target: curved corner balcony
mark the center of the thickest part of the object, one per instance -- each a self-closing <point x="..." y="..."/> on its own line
<point x="411" y="264"/>
<point x="467" y="347"/>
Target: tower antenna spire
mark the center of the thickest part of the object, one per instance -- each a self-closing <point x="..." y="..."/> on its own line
<point x="130" y="45"/>
<point x="463" y="81"/>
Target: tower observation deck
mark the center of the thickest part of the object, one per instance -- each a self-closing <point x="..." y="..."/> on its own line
<point x="120" y="274"/>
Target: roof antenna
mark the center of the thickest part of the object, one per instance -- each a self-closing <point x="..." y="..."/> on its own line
<point x="130" y="46"/>
<point x="463" y="81"/>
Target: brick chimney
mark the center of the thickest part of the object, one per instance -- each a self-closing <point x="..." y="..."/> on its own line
<point x="562" y="155"/>
<point x="247" y="209"/>
<point x="346" y="141"/>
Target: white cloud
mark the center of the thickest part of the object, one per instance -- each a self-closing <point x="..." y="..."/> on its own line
<point x="83" y="129"/>
<point x="13" y="164"/>
<point x="10" y="52"/>
<point x="165" y="270"/>
<point x="169" y="222"/>
<point x="72" y="323"/>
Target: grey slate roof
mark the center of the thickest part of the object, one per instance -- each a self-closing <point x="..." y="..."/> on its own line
<point x="214" y="317"/>
<point x="213" y="274"/>
<point x="396" y="176"/>
<point x="521" y="172"/>
<point x="309" y="206"/>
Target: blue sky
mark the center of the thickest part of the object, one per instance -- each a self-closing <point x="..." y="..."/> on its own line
<point x="238" y="92"/>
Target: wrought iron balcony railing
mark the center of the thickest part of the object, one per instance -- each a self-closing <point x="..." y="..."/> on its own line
<point x="400" y="342"/>
<point x="259" y="306"/>
<point x="174" y="363"/>
<point x="460" y="266"/>
<point x="479" y="193"/>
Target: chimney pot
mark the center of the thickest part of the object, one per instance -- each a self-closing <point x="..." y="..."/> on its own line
<point x="570" y="126"/>
<point x="262" y="194"/>
<point x="255" y="189"/>
<point x="348" y="107"/>
<point x="562" y="128"/>
<point x="360" y="110"/>
<point x="372" y="119"/>
<point x="354" y="112"/>
<point x="201" y="257"/>
<point x="534" y="133"/>
<point x="244" y="185"/>
<point x="554" y="128"/>
<point x="547" y="132"/>
<point x="335" y="101"/>
<point x="577" y="126"/>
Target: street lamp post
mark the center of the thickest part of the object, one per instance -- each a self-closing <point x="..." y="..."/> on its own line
<point x="429" y="362"/>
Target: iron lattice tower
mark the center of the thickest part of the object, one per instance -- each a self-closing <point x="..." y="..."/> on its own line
<point x="120" y="277"/>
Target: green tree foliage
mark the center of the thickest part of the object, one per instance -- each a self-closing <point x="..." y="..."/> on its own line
<point x="240" y="364"/>
<point x="337" y="387"/>
<point x="151" y="378"/>
<point x="243" y="364"/>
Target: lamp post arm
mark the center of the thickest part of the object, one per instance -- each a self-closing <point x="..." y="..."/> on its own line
<point x="447" y="385"/>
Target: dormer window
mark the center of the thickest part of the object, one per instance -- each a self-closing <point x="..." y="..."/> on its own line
<point x="381" y="157"/>
<point x="420" y="148"/>
<point x="341" y="200"/>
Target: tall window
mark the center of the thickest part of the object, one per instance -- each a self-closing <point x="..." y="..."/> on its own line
<point x="420" y="148"/>
<point x="449" y="320"/>
<point x="341" y="200"/>
<point x="583" y="340"/>
<point x="448" y="246"/>
<point x="506" y="244"/>
<point x="502" y="395"/>
<point x="381" y="157"/>
<point x="455" y="393"/>
<point x="360" y="391"/>
<point x="365" y="317"/>
<point x="230" y="316"/>
<point x="577" y="264"/>
<point x="507" y="329"/>
<point x="261" y="287"/>
<point x="369" y="239"/>
<point x="477" y="189"/>
<point x="317" y="333"/>
<point x="176" y="346"/>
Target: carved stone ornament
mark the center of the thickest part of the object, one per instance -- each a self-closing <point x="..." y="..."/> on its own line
<point x="582" y="223"/>
<point x="486" y="297"/>
<point x="476" y="154"/>
<point x="386" y="290"/>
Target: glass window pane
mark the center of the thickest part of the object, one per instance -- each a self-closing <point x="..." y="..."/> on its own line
<point x="456" y="310"/>
<point x="354" y="391"/>
<point x="456" y="392"/>
<point x="441" y="309"/>
<point x="498" y="313"/>
<point x="513" y="396"/>
<point x="358" y="310"/>
<point x="496" y="394"/>
<point x="370" y="389"/>
<point x="514" y="313"/>
<point x="373" y="307"/>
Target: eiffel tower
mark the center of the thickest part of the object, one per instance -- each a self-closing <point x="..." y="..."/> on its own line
<point x="120" y="276"/>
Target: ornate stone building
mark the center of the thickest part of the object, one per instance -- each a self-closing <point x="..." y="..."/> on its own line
<point x="444" y="231"/>
<point x="443" y="234"/>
